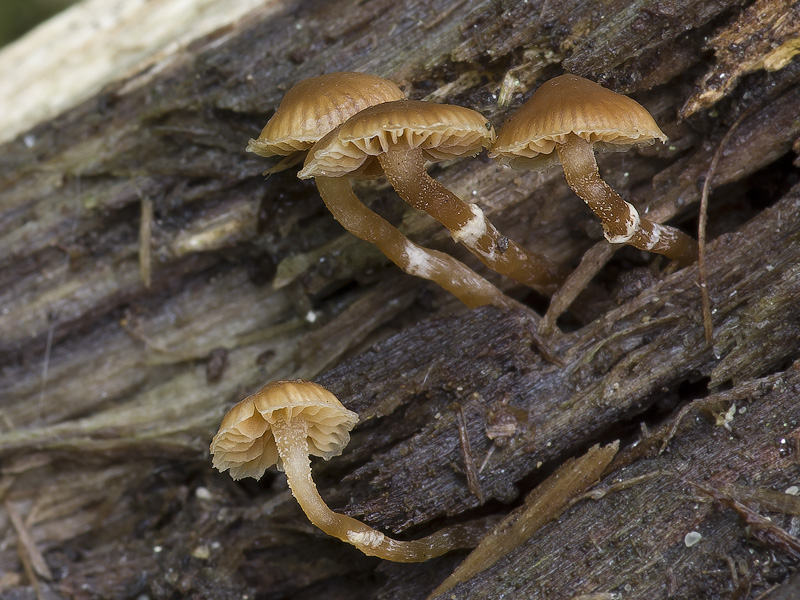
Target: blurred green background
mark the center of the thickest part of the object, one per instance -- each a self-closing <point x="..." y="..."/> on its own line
<point x="18" y="16"/>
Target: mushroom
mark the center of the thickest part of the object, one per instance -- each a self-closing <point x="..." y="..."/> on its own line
<point x="570" y="114"/>
<point x="314" y="107"/>
<point x="285" y="422"/>
<point x="401" y="136"/>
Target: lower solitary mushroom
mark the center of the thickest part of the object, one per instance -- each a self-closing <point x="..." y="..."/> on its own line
<point x="562" y="122"/>
<point x="285" y="422"/>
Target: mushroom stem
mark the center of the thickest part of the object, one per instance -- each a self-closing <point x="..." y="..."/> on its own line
<point x="453" y="275"/>
<point x="292" y="442"/>
<point x="405" y="168"/>
<point x="622" y="223"/>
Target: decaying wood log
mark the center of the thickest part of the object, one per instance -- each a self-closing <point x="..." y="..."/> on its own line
<point x="150" y="277"/>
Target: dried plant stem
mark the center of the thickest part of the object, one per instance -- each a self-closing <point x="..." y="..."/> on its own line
<point x="31" y="557"/>
<point x="622" y="223"/>
<point x="702" y="274"/>
<point x="473" y="480"/>
<point x="405" y="168"/>
<point x="453" y="275"/>
<point x="292" y="441"/>
<point x="145" y="241"/>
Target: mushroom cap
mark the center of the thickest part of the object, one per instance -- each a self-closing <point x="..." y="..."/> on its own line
<point x="440" y="131"/>
<point x="312" y="107"/>
<point x="571" y="104"/>
<point x="245" y="444"/>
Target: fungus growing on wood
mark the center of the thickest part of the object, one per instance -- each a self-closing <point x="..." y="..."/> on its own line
<point x="285" y="422"/>
<point x="310" y="110"/>
<point x="562" y="122"/>
<point x="401" y="136"/>
<point x="315" y="106"/>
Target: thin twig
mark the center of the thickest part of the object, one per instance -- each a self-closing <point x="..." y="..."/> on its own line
<point x="32" y="560"/>
<point x="53" y="316"/>
<point x="46" y="365"/>
<point x="602" y="490"/>
<point x="708" y="326"/>
<point x="473" y="481"/>
<point x="145" y="240"/>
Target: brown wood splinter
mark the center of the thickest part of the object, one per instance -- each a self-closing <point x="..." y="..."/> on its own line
<point x="283" y="424"/>
<point x="562" y="122"/>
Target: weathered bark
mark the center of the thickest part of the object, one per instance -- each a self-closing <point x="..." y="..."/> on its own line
<point x="112" y="389"/>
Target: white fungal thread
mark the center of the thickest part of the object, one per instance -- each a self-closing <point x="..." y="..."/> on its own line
<point x="472" y="230"/>
<point x="371" y="539"/>
<point x="419" y="261"/>
<point x="631" y="225"/>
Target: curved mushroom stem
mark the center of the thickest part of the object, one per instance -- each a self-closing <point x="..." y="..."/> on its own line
<point x="290" y="438"/>
<point x="622" y="223"/>
<point x="453" y="275"/>
<point x="405" y="168"/>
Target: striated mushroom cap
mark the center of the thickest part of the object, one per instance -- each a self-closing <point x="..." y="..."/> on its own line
<point x="244" y="443"/>
<point x="313" y="107"/>
<point x="441" y="131"/>
<point x="571" y="104"/>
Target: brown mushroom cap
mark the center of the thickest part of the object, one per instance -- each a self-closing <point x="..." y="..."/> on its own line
<point x="315" y="106"/>
<point x="571" y="104"/>
<point x="245" y="444"/>
<point x="440" y="131"/>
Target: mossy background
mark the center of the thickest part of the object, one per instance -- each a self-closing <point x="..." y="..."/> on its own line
<point x="20" y="16"/>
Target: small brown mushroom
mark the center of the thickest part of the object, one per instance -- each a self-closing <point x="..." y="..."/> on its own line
<point x="571" y="115"/>
<point x="310" y="110"/>
<point x="315" y="106"/>
<point x="285" y="422"/>
<point x="401" y="136"/>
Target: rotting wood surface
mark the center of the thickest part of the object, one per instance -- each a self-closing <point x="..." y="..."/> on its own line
<point x="111" y="390"/>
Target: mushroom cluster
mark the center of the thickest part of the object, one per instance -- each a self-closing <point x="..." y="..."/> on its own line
<point x="355" y="125"/>
<point x="315" y="108"/>
<point x="400" y="137"/>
